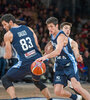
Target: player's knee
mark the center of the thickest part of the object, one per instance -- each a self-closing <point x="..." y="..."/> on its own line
<point x="6" y="82"/>
<point x="58" y="92"/>
<point x="39" y="85"/>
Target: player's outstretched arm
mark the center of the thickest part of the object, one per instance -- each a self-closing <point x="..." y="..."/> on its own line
<point x="76" y="51"/>
<point x="57" y="51"/>
<point x="8" y="49"/>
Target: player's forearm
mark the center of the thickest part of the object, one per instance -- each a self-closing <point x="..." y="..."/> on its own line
<point x="78" y="57"/>
<point x="53" y="54"/>
<point x="8" y="52"/>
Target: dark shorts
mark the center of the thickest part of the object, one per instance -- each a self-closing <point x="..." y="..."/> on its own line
<point x="18" y="73"/>
<point x="63" y="74"/>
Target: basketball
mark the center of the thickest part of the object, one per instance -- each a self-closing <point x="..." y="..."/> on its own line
<point x="38" y="68"/>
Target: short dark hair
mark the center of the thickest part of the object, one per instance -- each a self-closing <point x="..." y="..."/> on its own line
<point x="65" y="23"/>
<point x="7" y="18"/>
<point x="53" y="20"/>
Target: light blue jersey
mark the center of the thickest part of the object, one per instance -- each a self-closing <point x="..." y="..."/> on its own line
<point x="65" y="63"/>
<point x="66" y="56"/>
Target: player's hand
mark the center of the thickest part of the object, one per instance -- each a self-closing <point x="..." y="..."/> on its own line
<point x="80" y="59"/>
<point x="42" y="58"/>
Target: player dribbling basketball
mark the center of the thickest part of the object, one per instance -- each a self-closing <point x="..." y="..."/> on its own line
<point x="23" y="41"/>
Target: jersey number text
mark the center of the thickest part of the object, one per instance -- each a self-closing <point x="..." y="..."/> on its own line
<point x="26" y="43"/>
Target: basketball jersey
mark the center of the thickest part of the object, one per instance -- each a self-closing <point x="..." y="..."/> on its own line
<point x="66" y="57"/>
<point x="23" y="45"/>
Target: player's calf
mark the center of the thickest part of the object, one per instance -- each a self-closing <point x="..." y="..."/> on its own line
<point x="43" y="88"/>
<point x="39" y="85"/>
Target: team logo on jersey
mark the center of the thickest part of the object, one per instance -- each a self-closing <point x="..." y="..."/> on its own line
<point x="58" y="79"/>
<point x="30" y="53"/>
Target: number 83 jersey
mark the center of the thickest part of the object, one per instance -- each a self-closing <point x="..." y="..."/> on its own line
<point x="23" y="44"/>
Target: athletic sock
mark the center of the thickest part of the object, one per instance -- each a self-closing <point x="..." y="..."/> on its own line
<point x="50" y="99"/>
<point x="15" y="99"/>
<point x="73" y="96"/>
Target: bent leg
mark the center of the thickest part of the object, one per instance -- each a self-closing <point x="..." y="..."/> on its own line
<point x="12" y="75"/>
<point x="8" y="86"/>
<point x="43" y="88"/>
<point x="59" y="91"/>
<point x="60" y="81"/>
<point x="77" y="86"/>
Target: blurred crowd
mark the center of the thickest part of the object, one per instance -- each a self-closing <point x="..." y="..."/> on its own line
<point x="34" y="14"/>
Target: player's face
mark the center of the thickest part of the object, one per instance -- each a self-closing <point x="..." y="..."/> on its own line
<point x="67" y="29"/>
<point x="6" y="25"/>
<point x="52" y="28"/>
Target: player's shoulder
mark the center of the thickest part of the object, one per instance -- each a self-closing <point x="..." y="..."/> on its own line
<point x="61" y="36"/>
<point x="74" y="42"/>
<point x="62" y="32"/>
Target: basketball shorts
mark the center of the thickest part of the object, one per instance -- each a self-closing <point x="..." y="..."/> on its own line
<point x="18" y="73"/>
<point x="63" y="74"/>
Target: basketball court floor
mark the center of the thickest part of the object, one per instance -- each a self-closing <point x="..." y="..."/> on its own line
<point x="36" y="98"/>
<point x="27" y="91"/>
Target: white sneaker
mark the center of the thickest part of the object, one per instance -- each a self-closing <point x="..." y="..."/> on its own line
<point x="79" y="97"/>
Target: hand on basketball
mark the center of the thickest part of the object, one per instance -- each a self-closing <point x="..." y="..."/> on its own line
<point x="38" y="67"/>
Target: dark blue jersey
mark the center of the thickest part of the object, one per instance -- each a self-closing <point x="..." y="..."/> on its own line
<point x="66" y="56"/>
<point x="23" y="45"/>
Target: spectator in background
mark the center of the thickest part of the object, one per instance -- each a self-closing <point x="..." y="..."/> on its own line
<point x="43" y="43"/>
<point x="83" y="44"/>
<point x="85" y="30"/>
<point x="67" y="16"/>
<point x="78" y="24"/>
<point x="83" y="70"/>
<point x="88" y="37"/>
<point x="86" y="60"/>
<point x="2" y="60"/>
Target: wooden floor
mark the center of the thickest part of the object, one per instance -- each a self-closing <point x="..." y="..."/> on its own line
<point x="29" y="90"/>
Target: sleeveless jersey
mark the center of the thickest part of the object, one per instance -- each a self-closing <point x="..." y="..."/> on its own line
<point x="23" y="45"/>
<point x="66" y="56"/>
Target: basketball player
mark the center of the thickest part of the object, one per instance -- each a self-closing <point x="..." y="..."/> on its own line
<point x="65" y="63"/>
<point x="21" y="40"/>
<point x="74" y="46"/>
